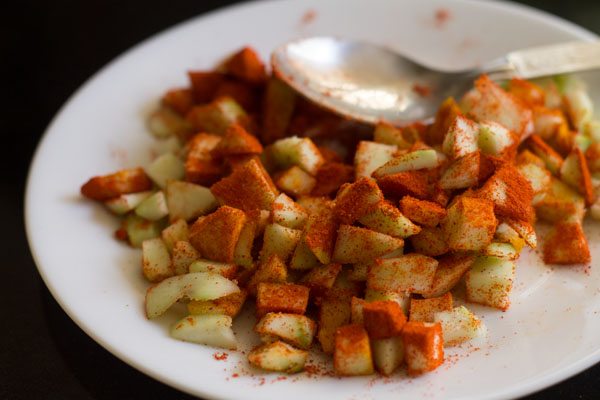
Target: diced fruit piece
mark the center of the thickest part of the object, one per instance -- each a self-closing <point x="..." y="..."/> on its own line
<point x="156" y="261"/>
<point x="547" y="121"/>
<point x="489" y="102"/>
<point x="356" y="244"/>
<point x="295" y="181"/>
<point x="444" y="118"/>
<point x="303" y="257"/>
<point x="279" y="103"/>
<point x="564" y="139"/>
<point x="280" y="241"/>
<point x="489" y="282"/>
<point x="566" y="244"/>
<point x="470" y="224"/>
<point x="510" y="192"/>
<point x="387" y="219"/>
<point x="461" y="138"/>
<point x="200" y="165"/>
<point x="352" y="354"/>
<point x="272" y="270"/>
<point x="333" y="313"/>
<point x="320" y="279"/>
<point x="216" y="235"/>
<point x="383" y="319"/>
<point x="357" y="199"/>
<point x="243" y="93"/>
<point x="356" y="305"/>
<point x="430" y="242"/>
<point x="574" y="171"/>
<point x="539" y="177"/>
<point x="139" y="229"/>
<point x="422" y="212"/>
<point x="344" y="287"/>
<point x="178" y="100"/>
<point x="400" y="297"/>
<point x="526" y="91"/>
<point x="216" y="117"/>
<point x="506" y="234"/>
<point x="249" y="187"/>
<point x="578" y="103"/>
<point x="370" y="155"/>
<point x="315" y="204"/>
<point x="450" y="270"/>
<point x="301" y="152"/>
<point x="551" y="158"/>
<point x="279" y="357"/>
<point x="237" y="141"/>
<point x="211" y="330"/>
<point x="126" y="202"/>
<point x="495" y="139"/>
<point x="113" y="185"/>
<point x="525" y="231"/>
<point x="559" y="203"/>
<point x="164" y="123"/>
<point x="388" y="354"/>
<point x="195" y="286"/>
<point x="466" y="171"/>
<point x="177" y="231"/>
<point x="423" y="346"/>
<point x="388" y="134"/>
<point x="204" y="84"/>
<point x="223" y="269"/>
<point x="281" y="297"/>
<point x="247" y="66"/>
<point x="459" y="325"/>
<point x="288" y="213"/>
<point x="187" y="200"/>
<point x="319" y="233"/>
<point x="227" y="305"/>
<point x="425" y="310"/>
<point x="411" y="272"/>
<point x="411" y="183"/>
<point x="331" y="176"/>
<point x="592" y="156"/>
<point x="242" y="255"/>
<point x="294" y="329"/>
<point x="183" y="255"/>
<point x="154" y="207"/>
<point x="414" y="160"/>
<point x="359" y="271"/>
<point x="501" y="250"/>
<point x="164" y="168"/>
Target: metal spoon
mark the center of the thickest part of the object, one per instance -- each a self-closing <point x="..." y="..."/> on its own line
<point x="370" y="83"/>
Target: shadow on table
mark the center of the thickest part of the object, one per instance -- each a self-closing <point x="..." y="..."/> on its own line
<point x="100" y="373"/>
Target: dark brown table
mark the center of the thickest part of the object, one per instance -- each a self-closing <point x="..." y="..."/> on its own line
<point x="48" y="50"/>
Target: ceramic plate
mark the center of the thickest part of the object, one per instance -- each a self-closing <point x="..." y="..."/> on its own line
<point x="549" y="334"/>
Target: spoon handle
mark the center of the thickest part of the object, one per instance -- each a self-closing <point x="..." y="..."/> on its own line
<point x="546" y="60"/>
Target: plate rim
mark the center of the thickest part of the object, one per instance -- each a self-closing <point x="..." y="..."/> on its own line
<point x="545" y="381"/>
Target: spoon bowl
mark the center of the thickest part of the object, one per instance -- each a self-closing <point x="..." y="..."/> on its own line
<point x="371" y="83"/>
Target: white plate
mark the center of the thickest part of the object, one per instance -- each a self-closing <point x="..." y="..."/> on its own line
<point x="549" y="334"/>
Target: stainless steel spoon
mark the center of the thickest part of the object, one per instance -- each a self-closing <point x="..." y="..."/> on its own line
<point x="372" y="83"/>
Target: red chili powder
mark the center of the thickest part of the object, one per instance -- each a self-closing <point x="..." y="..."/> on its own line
<point x="421" y="90"/>
<point x="308" y="17"/>
<point x="442" y="16"/>
<point x="220" y="356"/>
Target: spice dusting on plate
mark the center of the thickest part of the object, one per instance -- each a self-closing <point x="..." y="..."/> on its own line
<point x="421" y="90"/>
<point x="442" y="16"/>
<point x="220" y="356"/>
<point x="308" y="17"/>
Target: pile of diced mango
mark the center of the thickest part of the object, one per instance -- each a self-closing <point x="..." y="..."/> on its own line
<point x="352" y="236"/>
